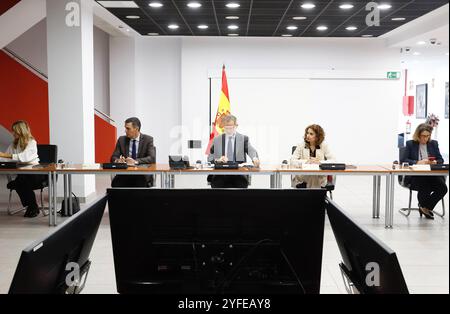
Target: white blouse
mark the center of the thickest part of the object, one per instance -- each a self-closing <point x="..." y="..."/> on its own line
<point x="28" y="155"/>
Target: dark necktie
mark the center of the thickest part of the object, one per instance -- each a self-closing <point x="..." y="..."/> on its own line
<point x="133" y="150"/>
<point x="230" y="154"/>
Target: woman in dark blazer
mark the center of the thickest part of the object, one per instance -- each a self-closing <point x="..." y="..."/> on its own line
<point x="424" y="151"/>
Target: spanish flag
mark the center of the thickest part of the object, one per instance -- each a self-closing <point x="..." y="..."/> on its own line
<point x="223" y="110"/>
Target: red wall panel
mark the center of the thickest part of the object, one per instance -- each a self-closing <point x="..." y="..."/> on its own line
<point x="5" y="5"/>
<point x="105" y="140"/>
<point x="23" y="96"/>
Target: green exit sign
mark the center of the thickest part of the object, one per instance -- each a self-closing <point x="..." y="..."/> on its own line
<point x="393" y="75"/>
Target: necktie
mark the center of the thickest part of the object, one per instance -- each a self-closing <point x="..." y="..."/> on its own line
<point x="133" y="150"/>
<point x="230" y="154"/>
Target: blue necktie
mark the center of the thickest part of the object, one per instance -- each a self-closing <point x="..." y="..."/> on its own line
<point x="133" y="150"/>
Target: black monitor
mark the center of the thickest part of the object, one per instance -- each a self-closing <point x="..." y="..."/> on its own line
<point x="367" y="263"/>
<point x="217" y="241"/>
<point x="45" y="265"/>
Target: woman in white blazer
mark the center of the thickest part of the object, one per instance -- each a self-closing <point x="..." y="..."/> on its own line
<point x="24" y="150"/>
<point x="313" y="150"/>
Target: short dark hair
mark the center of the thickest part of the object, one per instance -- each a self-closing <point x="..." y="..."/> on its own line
<point x="134" y="121"/>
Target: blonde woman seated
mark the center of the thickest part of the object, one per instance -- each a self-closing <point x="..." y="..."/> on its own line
<point x="24" y="149"/>
<point x="312" y="151"/>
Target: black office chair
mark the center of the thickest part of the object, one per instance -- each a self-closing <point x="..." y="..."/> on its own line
<point x="48" y="154"/>
<point x="331" y="180"/>
<point x="405" y="181"/>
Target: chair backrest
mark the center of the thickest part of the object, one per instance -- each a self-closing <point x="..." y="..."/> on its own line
<point x="48" y="153"/>
<point x="404" y="181"/>
<point x="402" y="154"/>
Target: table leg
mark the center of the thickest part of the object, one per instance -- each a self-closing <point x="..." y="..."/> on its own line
<point x="378" y="195"/>
<point x="50" y="199"/>
<point x="66" y="206"/>
<point x="388" y="209"/>
<point x="161" y="178"/>
<point x="70" y="195"/>
<point x="273" y="178"/>
<point x="55" y="190"/>
<point x="374" y="201"/>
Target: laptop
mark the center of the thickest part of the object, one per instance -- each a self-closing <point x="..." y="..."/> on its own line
<point x="9" y="165"/>
<point x="114" y="165"/>
<point x="226" y="165"/>
<point x="440" y="167"/>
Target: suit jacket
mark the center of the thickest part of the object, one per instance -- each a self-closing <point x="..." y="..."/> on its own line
<point x="301" y="155"/>
<point x="410" y="153"/>
<point x="242" y="148"/>
<point x="146" y="150"/>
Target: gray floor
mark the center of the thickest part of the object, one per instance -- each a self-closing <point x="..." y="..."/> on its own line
<point x="422" y="246"/>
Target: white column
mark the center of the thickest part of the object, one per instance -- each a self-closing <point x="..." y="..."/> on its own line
<point x="71" y="84"/>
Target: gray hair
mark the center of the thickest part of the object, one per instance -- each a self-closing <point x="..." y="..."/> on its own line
<point x="229" y="118"/>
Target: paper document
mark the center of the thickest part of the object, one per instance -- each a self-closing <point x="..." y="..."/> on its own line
<point x="421" y="167"/>
<point x="310" y="167"/>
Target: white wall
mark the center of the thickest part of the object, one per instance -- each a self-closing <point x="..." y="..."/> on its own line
<point x="433" y="71"/>
<point x="266" y="58"/>
<point x="158" y="92"/>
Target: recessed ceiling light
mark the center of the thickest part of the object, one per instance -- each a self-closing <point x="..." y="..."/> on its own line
<point x="203" y="26"/>
<point x="299" y="18"/>
<point x="153" y="34"/>
<point x="173" y="26"/>
<point x="194" y="5"/>
<point x="233" y="27"/>
<point x="346" y="6"/>
<point x="155" y="4"/>
<point x="133" y="17"/>
<point x="384" y="6"/>
<point x="128" y="29"/>
<point x="367" y="36"/>
<point x="233" y="34"/>
<point x="118" y="4"/>
<point x="398" y="19"/>
<point x="308" y="5"/>
<point x="421" y="42"/>
<point x="286" y="35"/>
<point x="416" y="53"/>
<point x="233" y="5"/>
<point x="232" y="17"/>
<point x="322" y="28"/>
<point x="292" y="27"/>
<point x="351" y="28"/>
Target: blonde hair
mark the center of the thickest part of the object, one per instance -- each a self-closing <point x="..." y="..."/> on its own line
<point x="420" y="129"/>
<point x="22" y="129"/>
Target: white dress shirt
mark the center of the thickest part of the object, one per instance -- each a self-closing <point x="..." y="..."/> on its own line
<point x="28" y="155"/>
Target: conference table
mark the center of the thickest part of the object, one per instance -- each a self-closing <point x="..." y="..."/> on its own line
<point x="274" y="172"/>
<point x="167" y="177"/>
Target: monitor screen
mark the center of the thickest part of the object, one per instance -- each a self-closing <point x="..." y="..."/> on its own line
<point x="368" y="263"/>
<point x="217" y="241"/>
<point x="44" y="266"/>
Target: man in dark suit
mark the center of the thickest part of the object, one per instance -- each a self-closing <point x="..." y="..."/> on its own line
<point x="231" y="147"/>
<point x="134" y="149"/>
